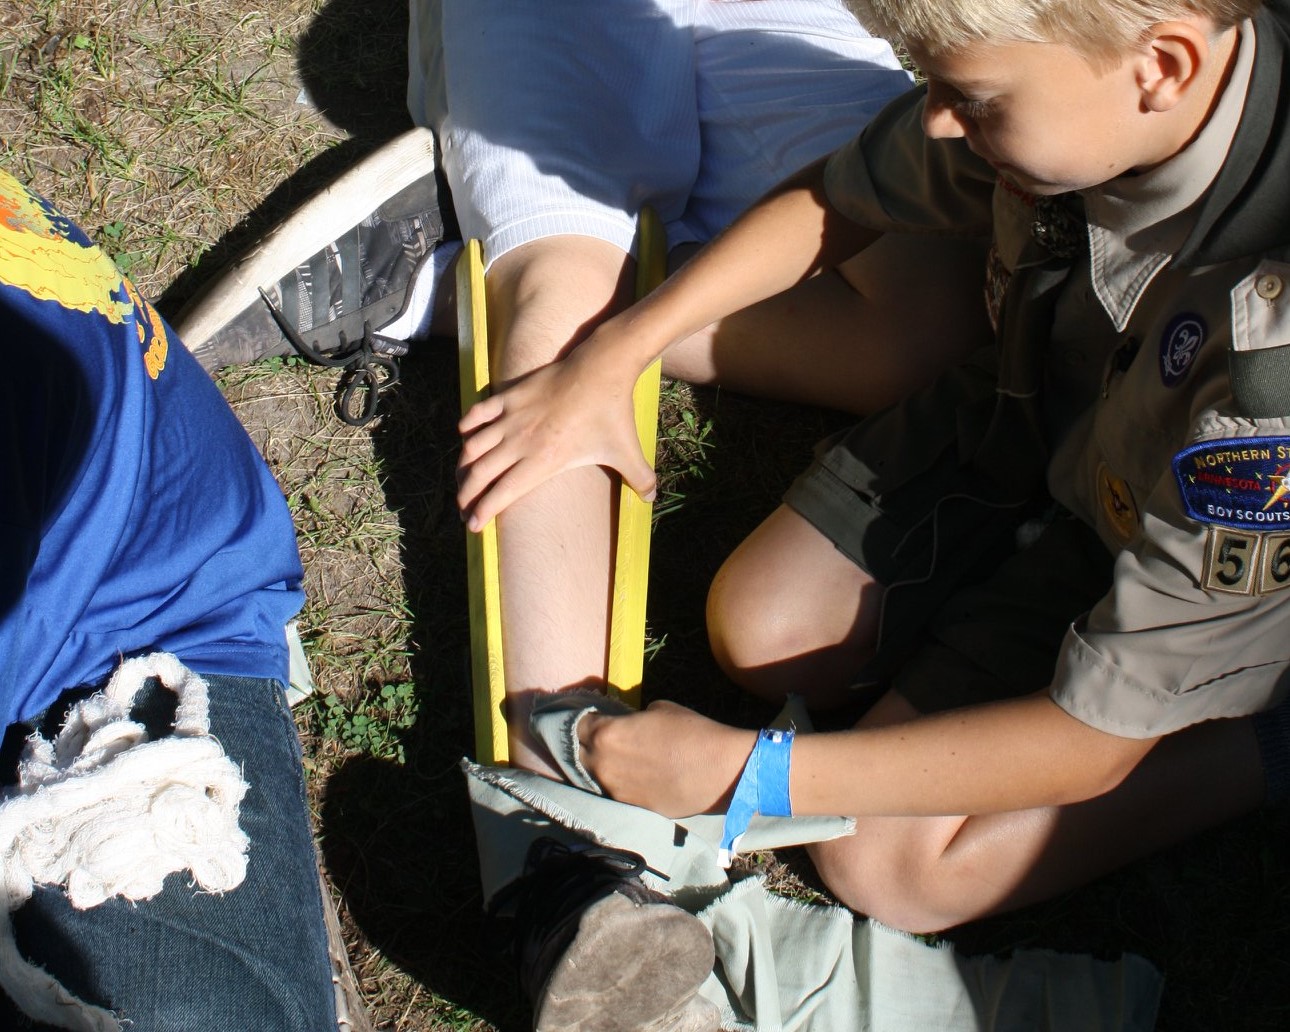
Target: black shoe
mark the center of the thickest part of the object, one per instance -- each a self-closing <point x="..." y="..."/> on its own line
<point x="339" y="270"/>
<point x="597" y="951"/>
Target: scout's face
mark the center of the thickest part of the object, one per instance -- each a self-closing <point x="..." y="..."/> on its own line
<point x="1040" y="113"/>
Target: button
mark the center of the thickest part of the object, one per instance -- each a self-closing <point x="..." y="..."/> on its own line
<point x="1269" y="287"/>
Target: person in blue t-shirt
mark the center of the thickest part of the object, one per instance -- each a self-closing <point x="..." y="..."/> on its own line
<point x="137" y="518"/>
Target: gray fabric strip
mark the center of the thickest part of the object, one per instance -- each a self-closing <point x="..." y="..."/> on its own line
<point x="319" y="289"/>
<point x="351" y="272"/>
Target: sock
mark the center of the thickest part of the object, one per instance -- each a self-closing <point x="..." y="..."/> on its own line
<point x="414" y="323"/>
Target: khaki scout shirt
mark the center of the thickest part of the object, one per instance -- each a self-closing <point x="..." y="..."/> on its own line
<point x="1146" y="441"/>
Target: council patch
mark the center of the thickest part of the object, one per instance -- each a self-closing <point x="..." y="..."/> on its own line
<point x="1241" y="482"/>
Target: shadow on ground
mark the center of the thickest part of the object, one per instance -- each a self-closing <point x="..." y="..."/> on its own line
<point x="352" y="66"/>
<point x="397" y="839"/>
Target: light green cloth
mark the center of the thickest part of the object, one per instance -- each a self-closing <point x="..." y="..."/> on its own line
<point x="785" y="965"/>
<point x="788" y="965"/>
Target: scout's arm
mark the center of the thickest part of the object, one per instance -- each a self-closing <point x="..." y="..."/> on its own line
<point x="1011" y="755"/>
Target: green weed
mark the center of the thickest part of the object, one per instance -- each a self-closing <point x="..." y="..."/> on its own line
<point x="374" y="724"/>
<point x="684" y="448"/>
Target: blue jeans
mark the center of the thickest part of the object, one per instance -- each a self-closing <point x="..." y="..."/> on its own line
<point x="184" y="961"/>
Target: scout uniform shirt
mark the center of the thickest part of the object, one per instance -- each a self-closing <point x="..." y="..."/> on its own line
<point x="1114" y="371"/>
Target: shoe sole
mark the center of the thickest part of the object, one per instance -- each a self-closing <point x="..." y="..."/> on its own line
<point x="314" y="225"/>
<point x="630" y="968"/>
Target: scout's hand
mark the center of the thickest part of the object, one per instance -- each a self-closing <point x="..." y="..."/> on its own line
<point x="666" y="758"/>
<point x="571" y="413"/>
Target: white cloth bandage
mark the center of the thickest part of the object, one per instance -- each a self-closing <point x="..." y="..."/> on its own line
<point x="104" y="811"/>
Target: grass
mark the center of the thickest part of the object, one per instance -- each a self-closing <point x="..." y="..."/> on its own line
<point x="174" y="133"/>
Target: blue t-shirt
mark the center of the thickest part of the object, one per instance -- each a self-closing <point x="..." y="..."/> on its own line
<point x="135" y="513"/>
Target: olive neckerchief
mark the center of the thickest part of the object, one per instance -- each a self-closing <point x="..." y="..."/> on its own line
<point x="998" y="476"/>
<point x="1012" y="452"/>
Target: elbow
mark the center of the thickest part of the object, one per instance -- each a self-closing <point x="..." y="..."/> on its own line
<point x="1106" y="769"/>
<point x="1126" y="762"/>
<point x="1093" y="762"/>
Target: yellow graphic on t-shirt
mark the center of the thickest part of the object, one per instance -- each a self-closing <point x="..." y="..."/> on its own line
<point x="37" y="258"/>
<point x="40" y="257"/>
<point x="156" y="342"/>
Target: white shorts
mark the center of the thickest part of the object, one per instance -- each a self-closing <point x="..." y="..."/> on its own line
<point x="569" y="116"/>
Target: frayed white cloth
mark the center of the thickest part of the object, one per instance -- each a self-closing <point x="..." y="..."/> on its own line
<point x="104" y="811"/>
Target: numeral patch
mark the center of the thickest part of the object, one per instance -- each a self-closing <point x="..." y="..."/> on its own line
<point x="1240" y="563"/>
<point x="1274" y="570"/>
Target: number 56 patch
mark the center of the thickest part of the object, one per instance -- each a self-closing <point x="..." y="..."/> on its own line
<point x="1241" y="563"/>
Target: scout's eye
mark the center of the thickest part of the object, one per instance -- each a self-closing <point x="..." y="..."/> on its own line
<point x="973" y="110"/>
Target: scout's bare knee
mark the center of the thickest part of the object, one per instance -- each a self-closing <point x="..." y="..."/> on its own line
<point x="788" y="612"/>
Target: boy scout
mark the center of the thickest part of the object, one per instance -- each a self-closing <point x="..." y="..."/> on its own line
<point x="1067" y="561"/>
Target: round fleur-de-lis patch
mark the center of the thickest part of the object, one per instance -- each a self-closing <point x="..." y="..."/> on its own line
<point x="1179" y="345"/>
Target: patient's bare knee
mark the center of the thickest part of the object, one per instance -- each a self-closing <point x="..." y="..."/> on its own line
<point x="548" y="295"/>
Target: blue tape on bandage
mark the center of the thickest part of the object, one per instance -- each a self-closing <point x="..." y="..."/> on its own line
<point x="774" y="751"/>
<point x="742" y="807"/>
<point x="762" y="789"/>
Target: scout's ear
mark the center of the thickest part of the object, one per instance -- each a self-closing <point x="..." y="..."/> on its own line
<point x="1171" y="61"/>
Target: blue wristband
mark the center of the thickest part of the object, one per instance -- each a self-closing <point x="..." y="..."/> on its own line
<point x="762" y="789"/>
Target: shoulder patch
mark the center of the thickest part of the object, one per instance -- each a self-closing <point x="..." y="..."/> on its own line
<point x="1239" y="482"/>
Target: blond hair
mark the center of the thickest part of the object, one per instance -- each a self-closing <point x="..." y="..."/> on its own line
<point x="1095" y="28"/>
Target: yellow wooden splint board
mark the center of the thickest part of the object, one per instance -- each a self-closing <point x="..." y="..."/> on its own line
<point x="631" y="561"/>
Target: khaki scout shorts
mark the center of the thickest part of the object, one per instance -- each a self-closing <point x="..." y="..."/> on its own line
<point x="978" y="595"/>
